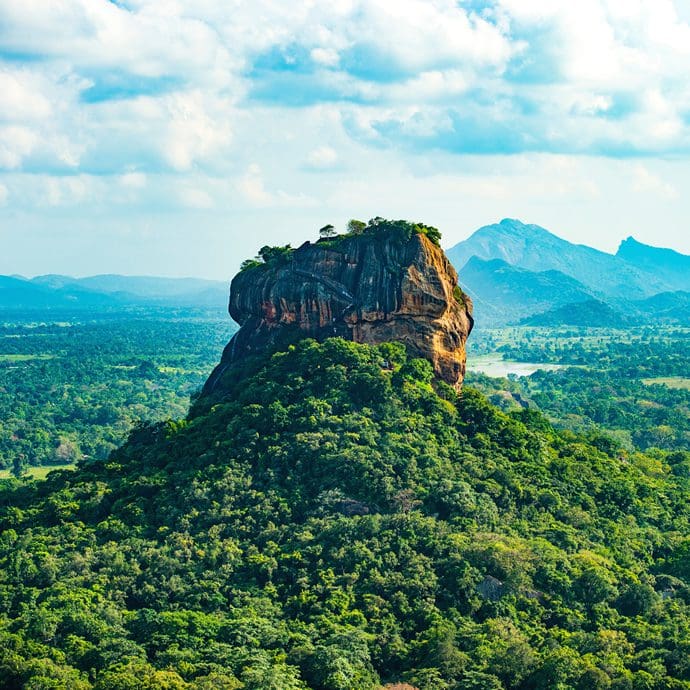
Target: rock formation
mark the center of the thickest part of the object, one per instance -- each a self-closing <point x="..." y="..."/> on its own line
<point x="368" y="288"/>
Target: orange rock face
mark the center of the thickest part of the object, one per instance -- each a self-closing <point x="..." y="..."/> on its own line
<point x="362" y="288"/>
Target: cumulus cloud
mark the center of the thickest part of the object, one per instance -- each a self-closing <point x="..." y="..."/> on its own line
<point x="322" y="158"/>
<point x="161" y="84"/>
<point x="643" y="180"/>
<point x="133" y="180"/>
<point x="196" y="198"/>
<point x="251" y="186"/>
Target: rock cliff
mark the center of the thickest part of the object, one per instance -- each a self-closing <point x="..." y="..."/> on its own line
<point x="368" y="288"/>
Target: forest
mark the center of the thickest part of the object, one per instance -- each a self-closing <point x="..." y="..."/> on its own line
<point x="343" y="521"/>
<point x="633" y="383"/>
<point x="73" y="387"/>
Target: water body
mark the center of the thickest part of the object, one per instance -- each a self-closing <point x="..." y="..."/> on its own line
<point x="493" y="365"/>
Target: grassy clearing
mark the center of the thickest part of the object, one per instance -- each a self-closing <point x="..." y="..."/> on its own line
<point x="37" y="472"/>
<point x="23" y="358"/>
<point x="679" y="382"/>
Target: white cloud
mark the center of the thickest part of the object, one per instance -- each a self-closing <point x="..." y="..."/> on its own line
<point x="67" y="191"/>
<point x="325" y="56"/>
<point x="196" y="198"/>
<point x="645" y="181"/>
<point x="16" y="143"/>
<point x="195" y="129"/>
<point x="133" y="180"/>
<point x="157" y="85"/>
<point x="251" y="186"/>
<point x="144" y="106"/>
<point x="22" y="98"/>
<point x="322" y="158"/>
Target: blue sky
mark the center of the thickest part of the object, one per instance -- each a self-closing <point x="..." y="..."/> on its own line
<point x="176" y="137"/>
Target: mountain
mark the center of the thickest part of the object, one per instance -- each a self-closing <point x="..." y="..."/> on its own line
<point x="109" y="291"/>
<point x="387" y="283"/>
<point x="150" y="287"/>
<point x="533" y="248"/>
<point x="19" y="293"/>
<point x="502" y="293"/>
<point x="590" y="313"/>
<point x="666" y="307"/>
<point x="668" y="264"/>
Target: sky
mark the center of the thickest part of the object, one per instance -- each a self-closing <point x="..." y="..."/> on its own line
<point x="176" y="137"/>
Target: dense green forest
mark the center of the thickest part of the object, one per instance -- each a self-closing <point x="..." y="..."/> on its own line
<point x="633" y="383"/>
<point x="341" y="521"/>
<point x="73" y="387"/>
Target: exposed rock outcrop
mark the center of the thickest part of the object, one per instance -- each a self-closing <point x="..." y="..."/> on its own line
<point x="365" y="288"/>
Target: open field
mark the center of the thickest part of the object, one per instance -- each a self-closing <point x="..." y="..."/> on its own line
<point x="23" y="358"/>
<point x="678" y="382"/>
<point x="37" y="472"/>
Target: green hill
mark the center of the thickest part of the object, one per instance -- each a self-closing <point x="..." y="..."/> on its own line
<point x="666" y="307"/>
<point x="502" y="293"/>
<point x="338" y="521"/>
<point x="587" y="313"/>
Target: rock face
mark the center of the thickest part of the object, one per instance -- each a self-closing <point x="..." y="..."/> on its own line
<point x="363" y="288"/>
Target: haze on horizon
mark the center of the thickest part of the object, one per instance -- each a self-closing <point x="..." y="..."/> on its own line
<point x="171" y="137"/>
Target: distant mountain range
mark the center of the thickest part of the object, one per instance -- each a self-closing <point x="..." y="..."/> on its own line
<point x="56" y="292"/>
<point x="517" y="272"/>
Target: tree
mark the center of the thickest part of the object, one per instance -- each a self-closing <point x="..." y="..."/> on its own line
<point x="327" y="231"/>
<point x="356" y="227"/>
<point x="274" y="255"/>
<point x="19" y="465"/>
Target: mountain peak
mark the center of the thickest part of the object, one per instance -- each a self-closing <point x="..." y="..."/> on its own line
<point x="628" y="243"/>
<point x="535" y="248"/>
<point x="512" y="222"/>
<point x="659" y="261"/>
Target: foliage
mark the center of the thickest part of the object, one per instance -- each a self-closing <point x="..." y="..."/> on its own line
<point x="356" y="227"/>
<point x="327" y="231"/>
<point x="74" y="389"/>
<point x="275" y="255"/>
<point x="267" y="255"/>
<point x="337" y="524"/>
<point x="250" y="263"/>
<point x="400" y="230"/>
<point x="609" y="383"/>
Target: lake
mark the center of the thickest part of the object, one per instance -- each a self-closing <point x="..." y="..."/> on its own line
<point x="493" y="365"/>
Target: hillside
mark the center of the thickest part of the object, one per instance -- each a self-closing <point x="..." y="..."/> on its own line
<point x="670" y="307"/>
<point x="336" y="523"/>
<point x="335" y="516"/>
<point x="19" y="293"/>
<point x="667" y="263"/>
<point x="590" y="313"/>
<point x="502" y="293"/>
<point x="533" y="248"/>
